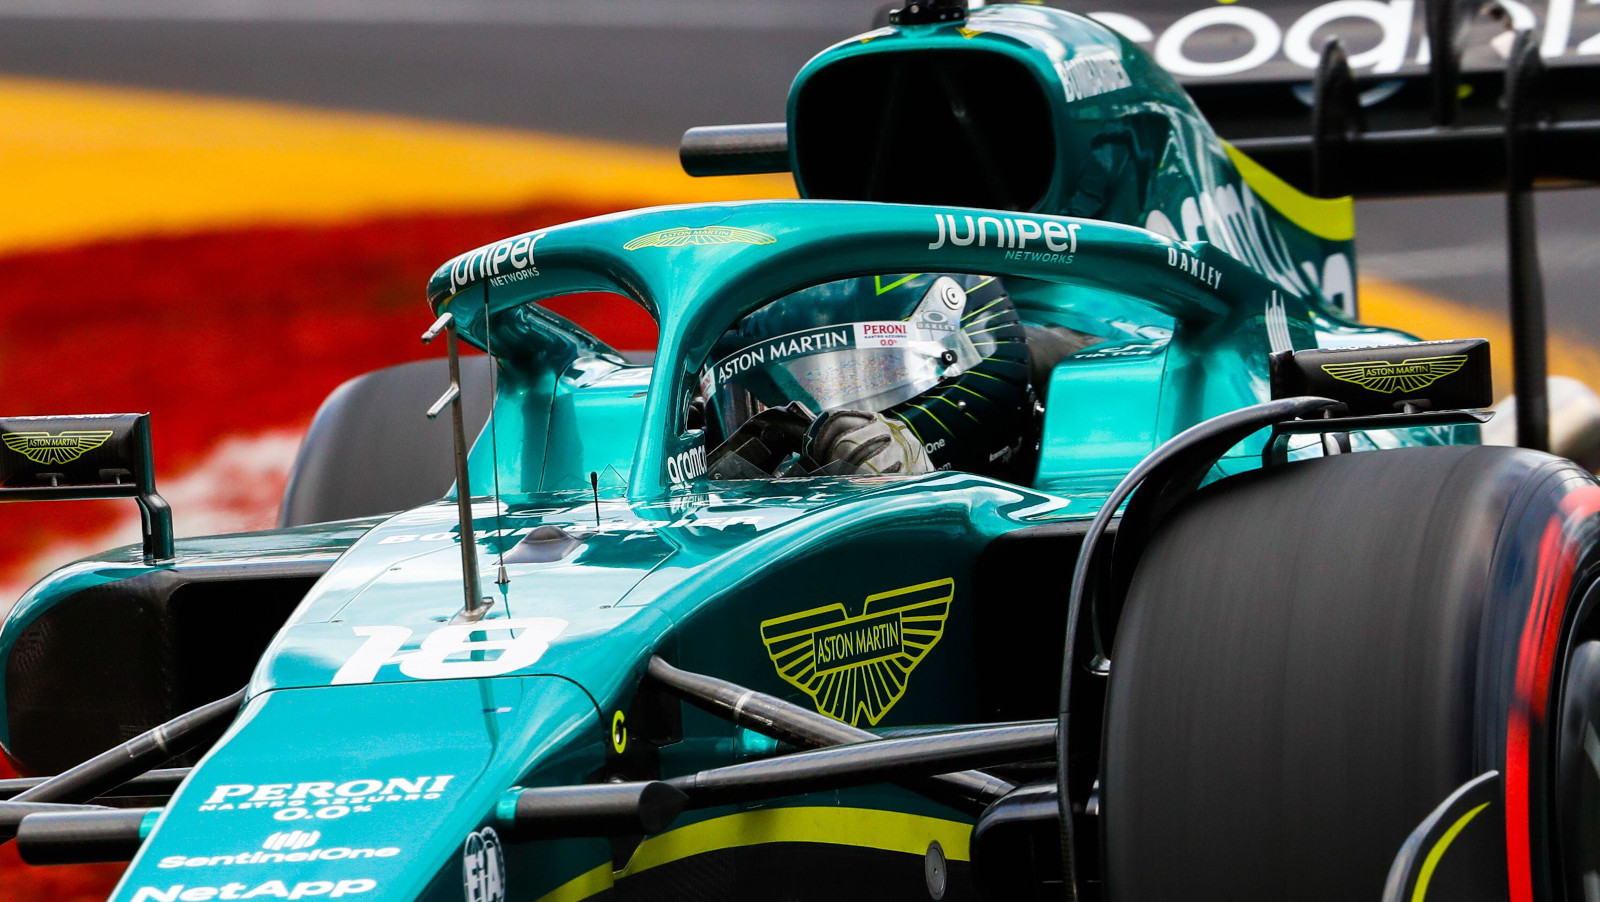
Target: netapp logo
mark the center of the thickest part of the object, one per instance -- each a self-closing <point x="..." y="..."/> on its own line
<point x="272" y="889"/>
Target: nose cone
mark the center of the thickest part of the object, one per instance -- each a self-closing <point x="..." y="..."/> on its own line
<point x="382" y="791"/>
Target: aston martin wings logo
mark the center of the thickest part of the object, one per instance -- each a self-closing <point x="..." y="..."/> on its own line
<point x="56" y="448"/>
<point x="683" y="236"/>
<point x="858" y="667"/>
<point x="1388" y="378"/>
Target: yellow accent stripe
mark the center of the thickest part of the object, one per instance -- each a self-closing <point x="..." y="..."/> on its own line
<point x="1432" y="861"/>
<point x="986" y="317"/>
<point x="946" y="583"/>
<point x="590" y="882"/>
<point x="959" y="408"/>
<point x="1333" y="219"/>
<point x="981" y="309"/>
<point x="913" y="428"/>
<point x="888" y="831"/>
<point x="933" y="418"/>
<point x="991" y="329"/>
<point x="85" y="163"/>
<point x="984" y="375"/>
<point x="877" y="281"/>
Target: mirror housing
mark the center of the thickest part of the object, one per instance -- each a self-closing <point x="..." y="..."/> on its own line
<point x="70" y="458"/>
<point x="1372" y="381"/>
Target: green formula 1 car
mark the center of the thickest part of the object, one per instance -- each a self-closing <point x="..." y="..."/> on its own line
<point x="1022" y="514"/>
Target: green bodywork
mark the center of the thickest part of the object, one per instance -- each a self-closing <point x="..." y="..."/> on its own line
<point x="367" y="691"/>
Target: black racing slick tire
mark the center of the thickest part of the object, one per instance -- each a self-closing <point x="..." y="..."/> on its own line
<point x="371" y="451"/>
<point x="1313" y="657"/>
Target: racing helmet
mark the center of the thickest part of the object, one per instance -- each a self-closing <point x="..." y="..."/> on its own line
<point x="944" y="353"/>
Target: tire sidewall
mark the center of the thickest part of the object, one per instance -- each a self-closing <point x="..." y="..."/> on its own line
<point x="1505" y="592"/>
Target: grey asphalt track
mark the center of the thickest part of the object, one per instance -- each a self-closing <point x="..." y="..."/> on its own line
<point x="582" y="67"/>
<point x="1455" y="247"/>
<point x="642" y="71"/>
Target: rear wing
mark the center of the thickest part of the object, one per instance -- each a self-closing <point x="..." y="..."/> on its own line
<point x="1408" y="144"/>
<point x="1416" y="134"/>
<point x="1518" y="127"/>
<point x="1433" y="130"/>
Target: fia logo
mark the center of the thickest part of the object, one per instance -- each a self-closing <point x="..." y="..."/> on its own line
<point x="483" y="867"/>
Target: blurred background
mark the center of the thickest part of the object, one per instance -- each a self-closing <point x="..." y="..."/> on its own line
<point x="219" y="210"/>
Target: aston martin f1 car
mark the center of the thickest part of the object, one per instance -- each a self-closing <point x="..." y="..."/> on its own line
<point x="1117" y="560"/>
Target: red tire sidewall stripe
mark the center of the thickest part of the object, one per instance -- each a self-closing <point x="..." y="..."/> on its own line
<point x="1541" y="632"/>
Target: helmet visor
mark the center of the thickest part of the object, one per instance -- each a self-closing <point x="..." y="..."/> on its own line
<point x="869" y="366"/>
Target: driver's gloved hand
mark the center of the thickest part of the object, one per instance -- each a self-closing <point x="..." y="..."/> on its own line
<point x="867" y="443"/>
<point x="761" y="443"/>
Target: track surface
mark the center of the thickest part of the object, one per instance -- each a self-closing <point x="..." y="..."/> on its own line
<point x="639" y="71"/>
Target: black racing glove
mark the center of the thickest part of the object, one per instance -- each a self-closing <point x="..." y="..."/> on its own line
<point x="761" y="443"/>
<point x="854" y="441"/>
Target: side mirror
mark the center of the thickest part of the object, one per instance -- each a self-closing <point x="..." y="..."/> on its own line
<point x="1374" y="381"/>
<point x="70" y="458"/>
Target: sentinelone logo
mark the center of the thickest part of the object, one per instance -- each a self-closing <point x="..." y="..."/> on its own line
<point x="293" y="839"/>
<point x="282" y="848"/>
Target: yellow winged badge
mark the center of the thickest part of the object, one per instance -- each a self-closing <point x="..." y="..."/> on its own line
<point x="1387" y="378"/>
<point x="50" y="448"/>
<point x="858" y="667"/>
<point x="683" y="236"/>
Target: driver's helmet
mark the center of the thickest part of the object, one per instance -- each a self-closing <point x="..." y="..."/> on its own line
<point x="944" y="353"/>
